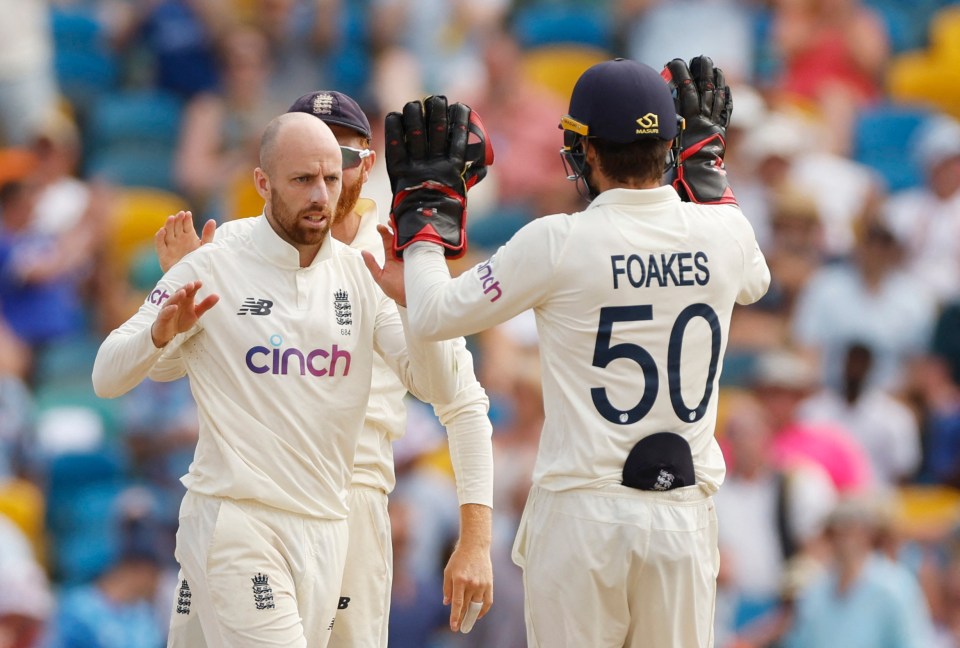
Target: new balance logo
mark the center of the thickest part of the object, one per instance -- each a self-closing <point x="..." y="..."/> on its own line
<point x="253" y="306"/>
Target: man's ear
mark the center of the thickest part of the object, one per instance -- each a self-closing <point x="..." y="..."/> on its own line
<point x="590" y="153"/>
<point x="262" y="182"/>
<point x="368" y="163"/>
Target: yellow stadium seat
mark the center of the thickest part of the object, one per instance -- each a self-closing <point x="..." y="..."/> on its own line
<point x="945" y="34"/>
<point x="924" y="78"/>
<point x="557" y="67"/>
<point x="242" y="198"/>
<point x="927" y="511"/>
<point x="139" y="213"/>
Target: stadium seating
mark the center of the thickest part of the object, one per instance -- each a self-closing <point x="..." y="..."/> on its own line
<point x="558" y="66"/>
<point x="881" y="141"/>
<point x="543" y="24"/>
<point x="85" y="65"/>
<point x="131" y="137"/>
<point x="139" y="213"/>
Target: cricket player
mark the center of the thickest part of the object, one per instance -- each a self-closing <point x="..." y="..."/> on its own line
<point x="633" y="298"/>
<point x="363" y="614"/>
<point x="278" y="328"/>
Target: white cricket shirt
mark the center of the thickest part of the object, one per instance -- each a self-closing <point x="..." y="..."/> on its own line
<point x="633" y="298"/>
<point x="465" y="417"/>
<point x="280" y="368"/>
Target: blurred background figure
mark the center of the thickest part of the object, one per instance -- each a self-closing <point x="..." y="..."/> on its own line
<point x="220" y="133"/>
<point x="772" y="515"/>
<point x="863" y="599"/>
<point x="867" y="299"/>
<point x="885" y="427"/>
<point x="28" y="85"/>
<point x="833" y="54"/>
<point x="26" y="600"/>
<point x="781" y="382"/>
<point x="927" y="218"/>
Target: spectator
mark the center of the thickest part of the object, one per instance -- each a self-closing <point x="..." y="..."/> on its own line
<point x="40" y="275"/>
<point x="181" y="36"/>
<point x="25" y="598"/>
<point x="863" y="600"/>
<point x="768" y="514"/>
<point x="870" y="300"/>
<point x="416" y="613"/>
<point x="781" y="382"/>
<point x="885" y="427"/>
<point x="927" y="218"/>
<point x="65" y="201"/>
<point x="28" y="87"/>
<point x="220" y="133"/>
<point x="116" y="610"/>
<point x="519" y="118"/>
<point x="724" y="28"/>
<point x="299" y="34"/>
<point x="833" y="54"/>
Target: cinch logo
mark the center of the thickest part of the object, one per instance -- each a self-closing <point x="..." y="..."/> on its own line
<point x="649" y="123"/>
<point x="253" y="306"/>
<point x="280" y="361"/>
<point x="158" y="296"/>
<point x="490" y="284"/>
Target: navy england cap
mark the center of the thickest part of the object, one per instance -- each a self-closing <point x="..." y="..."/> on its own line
<point x="622" y="101"/>
<point x="334" y="107"/>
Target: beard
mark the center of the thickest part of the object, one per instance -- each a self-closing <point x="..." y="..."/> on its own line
<point x="291" y="221"/>
<point x="349" y="196"/>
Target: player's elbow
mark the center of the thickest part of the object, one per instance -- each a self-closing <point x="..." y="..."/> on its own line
<point x="425" y="328"/>
<point x="105" y="384"/>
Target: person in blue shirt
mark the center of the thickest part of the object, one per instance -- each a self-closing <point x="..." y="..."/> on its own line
<point x="863" y="599"/>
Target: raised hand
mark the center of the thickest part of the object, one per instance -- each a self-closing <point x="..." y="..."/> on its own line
<point x="180" y="313"/>
<point x="178" y="238"/>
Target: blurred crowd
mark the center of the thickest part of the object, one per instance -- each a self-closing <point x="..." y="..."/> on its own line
<point x="840" y="401"/>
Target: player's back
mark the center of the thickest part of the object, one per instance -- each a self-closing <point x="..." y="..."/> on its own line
<point x="633" y="328"/>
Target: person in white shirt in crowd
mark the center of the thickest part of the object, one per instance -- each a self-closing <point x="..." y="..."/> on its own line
<point x="885" y="427"/>
<point x="927" y="218"/>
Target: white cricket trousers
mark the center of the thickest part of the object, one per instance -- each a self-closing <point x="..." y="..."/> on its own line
<point x="364" y="610"/>
<point x="617" y="567"/>
<point x="255" y="576"/>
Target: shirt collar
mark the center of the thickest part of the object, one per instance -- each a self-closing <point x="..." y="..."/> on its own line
<point x="660" y="196"/>
<point x="281" y="253"/>
<point x="367" y="238"/>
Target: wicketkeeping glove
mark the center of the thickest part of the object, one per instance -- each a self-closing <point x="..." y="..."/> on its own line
<point x="703" y="99"/>
<point x="431" y="166"/>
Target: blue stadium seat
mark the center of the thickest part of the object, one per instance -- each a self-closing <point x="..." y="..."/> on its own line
<point x="881" y="140"/>
<point x="81" y="492"/>
<point x="542" y="24"/>
<point x="134" y="117"/>
<point x="131" y="138"/>
<point x="84" y="62"/>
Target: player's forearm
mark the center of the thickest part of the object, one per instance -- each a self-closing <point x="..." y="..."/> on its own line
<point x="469" y="433"/>
<point x="434" y="311"/>
<point x="476" y="526"/>
<point x="124" y="359"/>
<point x="431" y="373"/>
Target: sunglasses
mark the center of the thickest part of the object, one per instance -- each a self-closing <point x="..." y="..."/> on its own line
<point x="352" y="157"/>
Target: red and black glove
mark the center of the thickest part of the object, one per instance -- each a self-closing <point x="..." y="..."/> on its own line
<point x="431" y="166"/>
<point x="703" y="99"/>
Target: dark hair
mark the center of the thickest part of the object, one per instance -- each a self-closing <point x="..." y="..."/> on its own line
<point x="643" y="160"/>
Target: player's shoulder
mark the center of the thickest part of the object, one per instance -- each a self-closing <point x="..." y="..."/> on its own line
<point x="236" y="227"/>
